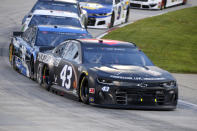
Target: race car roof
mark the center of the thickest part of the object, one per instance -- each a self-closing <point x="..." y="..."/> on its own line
<point x="63" y="29"/>
<point x="67" y="1"/>
<point x="107" y="42"/>
<point x="55" y="13"/>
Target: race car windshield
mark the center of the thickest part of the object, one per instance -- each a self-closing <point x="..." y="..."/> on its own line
<point x="107" y="2"/>
<point x="54" y="20"/>
<point x="49" y="38"/>
<point x="55" y="6"/>
<point x="115" y="56"/>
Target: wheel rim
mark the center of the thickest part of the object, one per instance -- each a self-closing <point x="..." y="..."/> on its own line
<point x="84" y="91"/>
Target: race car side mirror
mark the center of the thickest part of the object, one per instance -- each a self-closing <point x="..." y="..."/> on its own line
<point x="17" y="33"/>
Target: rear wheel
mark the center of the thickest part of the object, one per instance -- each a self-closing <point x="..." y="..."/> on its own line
<point x="127" y="16"/>
<point x="39" y="75"/>
<point x="112" y="21"/>
<point x="84" y="90"/>
<point x="184" y="2"/>
<point x="163" y="4"/>
<point x="46" y="82"/>
<point x="32" y="69"/>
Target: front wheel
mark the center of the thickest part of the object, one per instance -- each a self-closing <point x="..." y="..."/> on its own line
<point x="12" y="57"/>
<point x="84" y="91"/>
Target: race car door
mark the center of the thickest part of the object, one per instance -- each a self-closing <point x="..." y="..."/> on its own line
<point x="66" y="72"/>
<point x="118" y="11"/>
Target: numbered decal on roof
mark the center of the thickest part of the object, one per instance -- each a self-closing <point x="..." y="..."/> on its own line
<point x="66" y="76"/>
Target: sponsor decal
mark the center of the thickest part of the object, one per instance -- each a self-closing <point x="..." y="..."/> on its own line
<point x="91" y="90"/>
<point x="105" y="89"/>
<point x="136" y="78"/>
<point x="91" y="99"/>
<point x="91" y="6"/>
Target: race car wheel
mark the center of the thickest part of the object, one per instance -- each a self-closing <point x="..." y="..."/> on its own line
<point x="46" y="82"/>
<point x="39" y="75"/>
<point x="84" y="91"/>
<point x="12" y="57"/>
<point x="32" y="69"/>
<point x="11" y="52"/>
<point x="127" y="16"/>
<point x="112" y="21"/>
<point x="184" y="2"/>
<point x="163" y="4"/>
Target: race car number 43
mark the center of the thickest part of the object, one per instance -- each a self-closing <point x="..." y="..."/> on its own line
<point x="65" y="76"/>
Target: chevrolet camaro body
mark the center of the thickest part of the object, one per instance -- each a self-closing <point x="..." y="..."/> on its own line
<point x="107" y="73"/>
<point x="105" y="13"/>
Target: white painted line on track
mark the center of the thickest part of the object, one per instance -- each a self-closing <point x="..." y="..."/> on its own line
<point x="187" y="104"/>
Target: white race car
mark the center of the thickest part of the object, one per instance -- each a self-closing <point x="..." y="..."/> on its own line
<point x="59" y="5"/>
<point x="52" y="17"/>
<point x="105" y="13"/>
<point x="155" y="4"/>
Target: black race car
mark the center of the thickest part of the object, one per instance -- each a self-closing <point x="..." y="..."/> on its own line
<point x="107" y="73"/>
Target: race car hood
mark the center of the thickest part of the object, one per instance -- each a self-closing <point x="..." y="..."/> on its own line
<point x="133" y="73"/>
<point x="96" y="8"/>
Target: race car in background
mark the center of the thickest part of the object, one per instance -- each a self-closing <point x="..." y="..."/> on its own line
<point x="24" y="46"/>
<point x="155" y="4"/>
<point x="106" y="13"/>
<point x="59" y="5"/>
<point x="52" y="17"/>
<point x="107" y="73"/>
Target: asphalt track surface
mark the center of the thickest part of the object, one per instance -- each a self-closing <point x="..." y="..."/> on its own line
<point x="24" y="106"/>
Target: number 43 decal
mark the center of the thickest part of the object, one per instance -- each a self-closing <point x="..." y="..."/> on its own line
<point x="65" y="76"/>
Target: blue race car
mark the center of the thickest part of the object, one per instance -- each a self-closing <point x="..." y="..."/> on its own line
<point x="106" y="13"/>
<point x="24" y="46"/>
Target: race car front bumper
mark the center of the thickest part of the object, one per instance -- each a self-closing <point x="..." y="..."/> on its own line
<point x="145" y="5"/>
<point x="135" y="98"/>
<point x="99" y="22"/>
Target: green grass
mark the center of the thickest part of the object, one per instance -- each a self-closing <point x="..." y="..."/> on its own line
<point x="169" y="40"/>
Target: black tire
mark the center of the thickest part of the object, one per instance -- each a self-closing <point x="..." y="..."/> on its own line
<point x="11" y="49"/>
<point x="39" y="75"/>
<point x="112" y="21"/>
<point x="163" y="5"/>
<point x="45" y="79"/>
<point x="84" y="90"/>
<point x="127" y="16"/>
<point x="32" y="69"/>
<point x="184" y="2"/>
<point x="12" y="57"/>
<point x="86" y="23"/>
